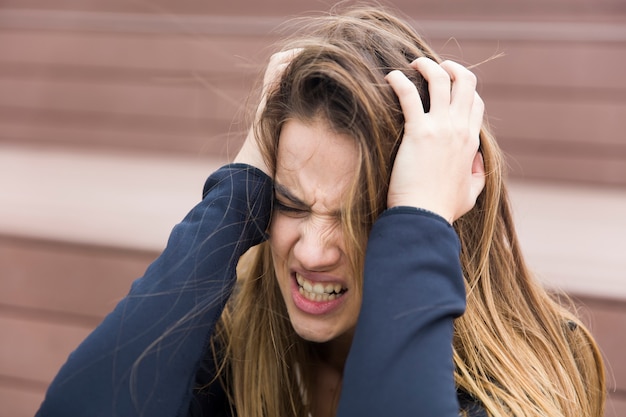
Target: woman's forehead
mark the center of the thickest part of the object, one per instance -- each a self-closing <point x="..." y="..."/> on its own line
<point x="313" y="160"/>
<point x="315" y="145"/>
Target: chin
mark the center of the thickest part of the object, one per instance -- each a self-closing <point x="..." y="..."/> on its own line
<point x="316" y="334"/>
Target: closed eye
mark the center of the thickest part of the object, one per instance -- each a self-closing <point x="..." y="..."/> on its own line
<point x="289" y="210"/>
<point x="287" y="203"/>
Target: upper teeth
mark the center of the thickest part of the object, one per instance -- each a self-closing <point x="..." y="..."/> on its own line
<point x="318" y="288"/>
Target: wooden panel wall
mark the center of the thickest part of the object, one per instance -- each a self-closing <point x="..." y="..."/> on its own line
<point x="171" y="78"/>
<point x="148" y="76"/>
<point x="51" y="296"/>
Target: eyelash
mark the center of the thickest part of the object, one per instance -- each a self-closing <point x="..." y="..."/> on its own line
<point x="288" y="209"/>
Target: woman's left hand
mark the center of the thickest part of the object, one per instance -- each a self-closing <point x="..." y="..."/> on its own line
<point x="438" y="166"/>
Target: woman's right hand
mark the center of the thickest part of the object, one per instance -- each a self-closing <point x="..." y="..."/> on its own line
<point x="250" y="153"/>
<point x="438" y="166"/>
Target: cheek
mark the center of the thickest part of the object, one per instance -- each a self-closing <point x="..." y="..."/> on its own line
<point x="283" y="237"/>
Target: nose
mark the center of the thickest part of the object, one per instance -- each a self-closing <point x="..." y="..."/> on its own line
<point x="318" y="247"/>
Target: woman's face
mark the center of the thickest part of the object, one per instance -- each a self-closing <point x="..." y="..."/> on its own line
<point x="314" y="169"/>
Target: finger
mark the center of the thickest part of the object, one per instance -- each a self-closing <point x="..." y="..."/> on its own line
<point x="277" y="64"/>
<point x="409" y="98"/>
<point x="438" y="83"/>
<point x="463" y="87"/>
<point x="284" y="56"/>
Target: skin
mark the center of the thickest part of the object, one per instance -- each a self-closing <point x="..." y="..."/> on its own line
<point x="438" y="168"/>
<point x="315" y="168"/>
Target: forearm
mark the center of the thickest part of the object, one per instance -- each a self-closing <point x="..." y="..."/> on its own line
<point x="143" y="357"/>
<point x="401" y="363"/>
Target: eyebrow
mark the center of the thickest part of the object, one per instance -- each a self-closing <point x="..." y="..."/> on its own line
<point x="284" y="192"/>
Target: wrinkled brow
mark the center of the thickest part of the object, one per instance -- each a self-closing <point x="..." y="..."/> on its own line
<point x="287" y="194"/>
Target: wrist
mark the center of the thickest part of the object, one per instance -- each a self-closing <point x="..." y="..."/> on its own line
<point x="250" y="154"/>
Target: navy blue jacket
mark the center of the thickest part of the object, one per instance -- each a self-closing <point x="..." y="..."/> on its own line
<point x="146" y="356"/>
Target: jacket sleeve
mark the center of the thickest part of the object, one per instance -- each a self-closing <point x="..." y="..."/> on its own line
<point x="143" y="358"/>
<point x="400" y="363"/>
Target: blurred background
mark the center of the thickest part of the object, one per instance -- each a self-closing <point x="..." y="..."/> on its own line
<point x="113" y="112"/>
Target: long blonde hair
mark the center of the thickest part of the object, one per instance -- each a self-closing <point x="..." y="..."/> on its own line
<point x="517" y="351"/>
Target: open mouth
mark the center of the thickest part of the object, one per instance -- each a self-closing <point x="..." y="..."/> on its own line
<point x="317" y="291"/>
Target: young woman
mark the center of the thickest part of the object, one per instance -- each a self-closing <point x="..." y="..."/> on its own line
<point x="382" y="274"/>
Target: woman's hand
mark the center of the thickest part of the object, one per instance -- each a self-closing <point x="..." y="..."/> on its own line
<point x="438" y="166"/>
<point x="250" y="153"/>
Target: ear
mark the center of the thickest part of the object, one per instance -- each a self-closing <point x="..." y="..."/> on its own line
<point x="478" y="175"/>
<point x="478" y="165"/>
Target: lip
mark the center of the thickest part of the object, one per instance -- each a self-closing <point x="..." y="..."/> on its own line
<point x="315" y="307"/>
